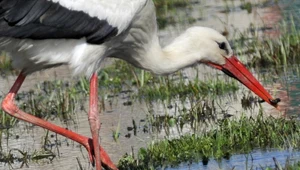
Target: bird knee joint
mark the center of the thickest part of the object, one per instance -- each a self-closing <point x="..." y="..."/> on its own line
<point x="94" y="122"/>
<point x="9" y="106"/>
<point x="92" y="119"/>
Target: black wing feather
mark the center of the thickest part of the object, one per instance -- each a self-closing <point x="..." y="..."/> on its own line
<point x="43" y="19"/>
<point x="6" y="4"/>
<point x="36" y="11"/>
<point x="19" y="11"/>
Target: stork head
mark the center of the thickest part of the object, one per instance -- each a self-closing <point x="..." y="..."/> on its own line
<point x="216" y="52"/>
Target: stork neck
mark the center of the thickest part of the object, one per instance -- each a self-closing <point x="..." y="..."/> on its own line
<point x="168" y="59"/>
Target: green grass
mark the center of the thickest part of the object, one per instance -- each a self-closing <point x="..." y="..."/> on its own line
<point x="168" y="89"/>
<point x="265" y="52"/>
<point x="6" y="121"/>
<point x="230" y="137"/>
<point x="289" y="166"/>
<point x="52" y="99"/>
<point x="121" y="76"/>
<point x="166" y="12"/>
<point x="49" y="100"/>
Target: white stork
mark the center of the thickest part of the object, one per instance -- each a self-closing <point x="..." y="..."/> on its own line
<point x="40" y="34"/>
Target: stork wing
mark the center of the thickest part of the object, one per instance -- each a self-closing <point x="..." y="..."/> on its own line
<point x="95" y="20"/>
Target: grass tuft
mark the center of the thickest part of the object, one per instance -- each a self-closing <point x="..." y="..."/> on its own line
<point x="230" y="137"/>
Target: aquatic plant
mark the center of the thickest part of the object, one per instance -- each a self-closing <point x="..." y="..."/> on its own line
<point x="289" y="166"/>
<point x="6" y="121"/>
<point x="52" y="99"/>
<point x="168" y="89"/>
<point x="263" y="51"/>
<point x="229" y="137"/>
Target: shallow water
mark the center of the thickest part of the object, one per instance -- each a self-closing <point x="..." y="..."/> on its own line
<point x="255" y="160"/>
<point x="28" y="138"/>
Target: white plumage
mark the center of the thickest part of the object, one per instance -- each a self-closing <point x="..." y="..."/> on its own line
<point x="40" y="34"/>
<point x="118" y="13"/>
<point x="136" y="42"/>
<point x="32" y="55"/>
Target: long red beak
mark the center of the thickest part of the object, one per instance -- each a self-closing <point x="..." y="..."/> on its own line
<point x="234" y="68"/>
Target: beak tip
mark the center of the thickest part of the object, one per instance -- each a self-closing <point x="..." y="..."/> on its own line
<point x="275" y="102"/>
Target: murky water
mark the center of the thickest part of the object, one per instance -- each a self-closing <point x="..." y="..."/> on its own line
<point x="70" y="155"/>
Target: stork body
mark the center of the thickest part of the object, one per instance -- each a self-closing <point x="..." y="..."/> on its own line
<point x="40" y="34"/>
<point x="78" y="42"/>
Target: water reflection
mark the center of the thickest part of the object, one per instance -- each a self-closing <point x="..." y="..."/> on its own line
<point x="255" y="160"/>
<point x="271" y="18"/>
<point x="290" y="8"/>
<point x="288" y="89"/>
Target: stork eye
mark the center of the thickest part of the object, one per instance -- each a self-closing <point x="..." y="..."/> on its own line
<point x="222" y="45"/>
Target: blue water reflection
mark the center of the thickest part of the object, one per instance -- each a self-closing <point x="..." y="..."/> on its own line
<point x="256" y="160"/>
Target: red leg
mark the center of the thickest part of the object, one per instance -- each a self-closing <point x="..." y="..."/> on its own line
<point x="94" y="118"/>
<point x="9" y="106"/>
